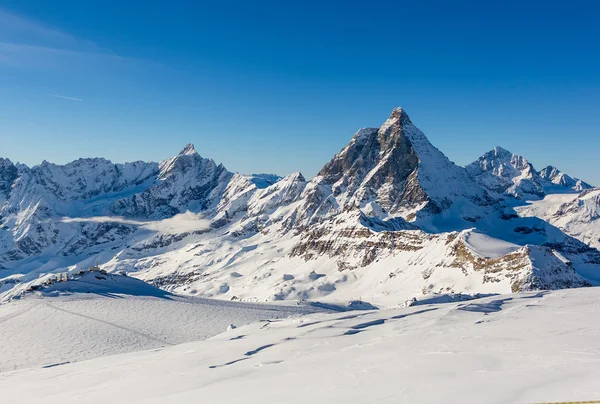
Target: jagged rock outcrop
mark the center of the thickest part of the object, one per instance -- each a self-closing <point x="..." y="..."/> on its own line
<point x="185" y="182"/>
<point x="393" y="171"/>
<point x="8" y="174"/>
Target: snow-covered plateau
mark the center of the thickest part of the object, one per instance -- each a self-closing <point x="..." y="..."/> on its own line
<point x="520" y="348"/>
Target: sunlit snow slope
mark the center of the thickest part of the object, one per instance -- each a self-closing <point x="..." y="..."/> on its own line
<point x="101" y="314"/>
<point x="523" y="348"/>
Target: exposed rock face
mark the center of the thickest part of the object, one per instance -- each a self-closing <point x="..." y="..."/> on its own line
<point x="376" y="166"/>
<point x="528" y="268"/>
<point x="392" y="171"/>
<point x="8" y="174"/>
<point x="185" y="182"/>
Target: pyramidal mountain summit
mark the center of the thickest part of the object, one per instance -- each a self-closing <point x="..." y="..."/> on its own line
<point x="389" y="220"/>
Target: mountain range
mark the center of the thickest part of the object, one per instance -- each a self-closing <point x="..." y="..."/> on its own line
<point x="389" y="220"/>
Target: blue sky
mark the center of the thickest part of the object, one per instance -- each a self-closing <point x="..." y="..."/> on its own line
<point x="276" y="86"/>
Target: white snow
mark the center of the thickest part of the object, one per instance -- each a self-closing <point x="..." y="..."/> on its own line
<point x="525" y="348"/>
<point x="486" y="246"/>
<point x="92" y="317"/>
<point x="576" y="214"/>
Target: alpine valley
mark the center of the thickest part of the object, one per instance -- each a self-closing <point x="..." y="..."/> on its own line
<point x="389" y="221"/>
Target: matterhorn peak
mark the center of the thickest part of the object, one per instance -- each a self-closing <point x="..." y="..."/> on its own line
<point x="189" y="149"/>
<point x="398" y="117"/>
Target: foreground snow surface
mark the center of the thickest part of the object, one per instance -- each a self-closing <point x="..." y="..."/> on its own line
<point x="46" y="331"/>
<point x="522" y="348"/>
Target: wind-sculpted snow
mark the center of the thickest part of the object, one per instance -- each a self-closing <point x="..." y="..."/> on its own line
<point x="389" y="219"/>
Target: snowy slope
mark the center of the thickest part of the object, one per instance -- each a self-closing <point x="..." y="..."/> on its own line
<point x="97" y="314"/>
<point x="577" y="215"/>
<point x="525" y="348"/>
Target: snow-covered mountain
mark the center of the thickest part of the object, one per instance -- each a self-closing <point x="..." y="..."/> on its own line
<point x="555" y="176"/>
<point x="503" y="172"/>
<point x="394" y="172"/>
<point x="388" y="219"/>
<point x="575" y="214"/>
<point x="185" y="182"/>
<point x="581" y="216"/>
<point x="509" y="174"/>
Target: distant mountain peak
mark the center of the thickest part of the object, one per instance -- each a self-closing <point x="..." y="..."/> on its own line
<point x="502" y="171"/>
<point x="557" y="177"/>
<point x="501" y="151"/>
<point x="189" y="149"/>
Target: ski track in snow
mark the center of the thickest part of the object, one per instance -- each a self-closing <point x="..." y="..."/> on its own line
<point x="141" y="334"/>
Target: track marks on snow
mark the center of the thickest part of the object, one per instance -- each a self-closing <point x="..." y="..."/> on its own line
<point x="18" y="313"/>
<point x="141" y="334"/>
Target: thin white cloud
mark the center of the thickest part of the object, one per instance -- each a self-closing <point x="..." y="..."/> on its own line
<point x="183" y="222"/>
<point x="22" y="30"/>
<point x="27" y="43"/>
<point x="65" y="97"/>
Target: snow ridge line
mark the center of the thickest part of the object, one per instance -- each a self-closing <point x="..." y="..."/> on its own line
<point x="111" y="324"/>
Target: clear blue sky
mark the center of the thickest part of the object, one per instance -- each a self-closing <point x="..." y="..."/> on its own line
<point x="280" y="86"/>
